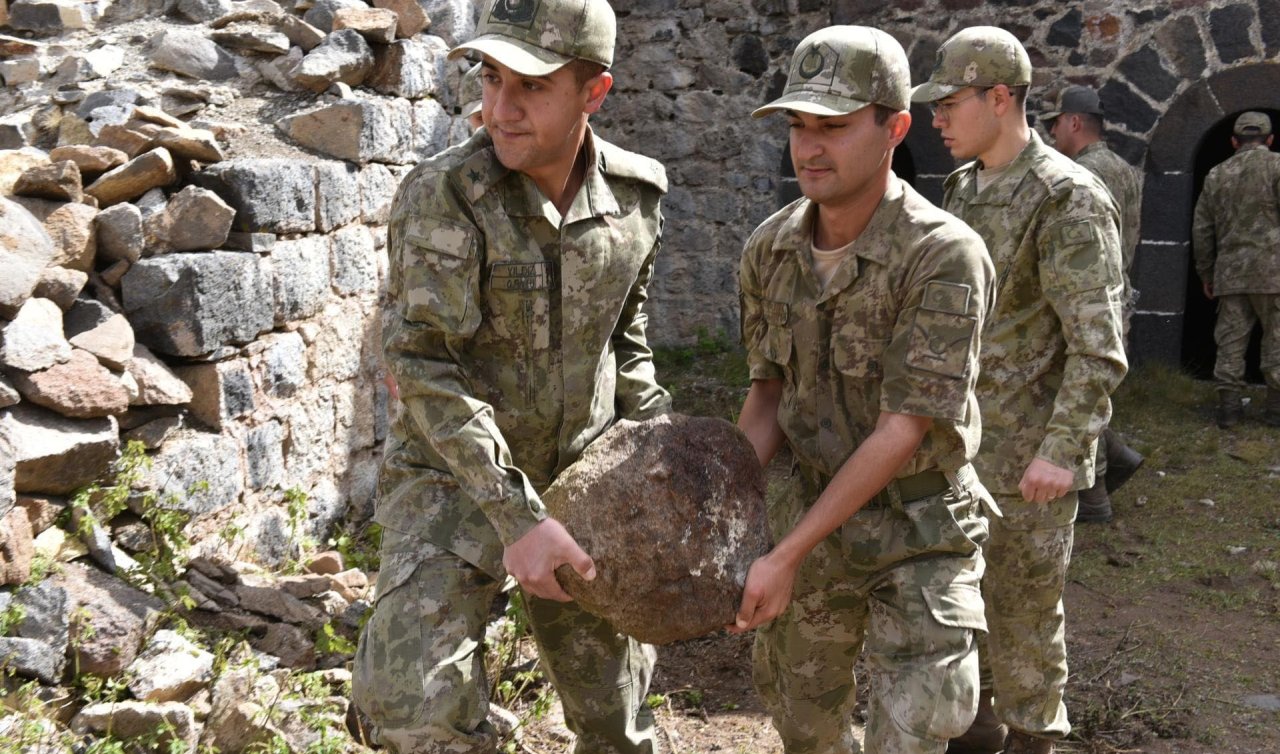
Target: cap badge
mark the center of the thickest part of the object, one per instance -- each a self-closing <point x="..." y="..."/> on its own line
<point x="514" y="12"/>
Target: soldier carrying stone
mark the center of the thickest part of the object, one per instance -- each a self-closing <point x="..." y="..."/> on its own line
<point x="1052" y="353"/>
<point x="862" y="308"/>
<point x="1076" y="125"/>
<point x="1235" y="238"/>
<point x="520" y="261"/>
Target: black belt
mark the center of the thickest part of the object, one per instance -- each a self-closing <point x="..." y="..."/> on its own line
<point x="904" y="489"/>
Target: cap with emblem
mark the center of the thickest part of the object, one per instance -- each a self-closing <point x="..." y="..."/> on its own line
<point x="1252" y="124"/>
<point x="978" y="56"/>
<point x="470" y="93"/>
<point x="538" y="37"/>
<point x="1075" y="99"/>
<point x="842" y="69"/>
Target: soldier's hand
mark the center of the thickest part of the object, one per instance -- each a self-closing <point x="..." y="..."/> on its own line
<point x="1043" y="481"/>
<point x="534" y="558"/>
<point x="767" y="592"/>
<point x="1208" y="290"/>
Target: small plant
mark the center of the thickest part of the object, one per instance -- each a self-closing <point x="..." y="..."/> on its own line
<point x="358" y="545"/>
<point x="330" y="642"/>
<point x="11" y="617"/>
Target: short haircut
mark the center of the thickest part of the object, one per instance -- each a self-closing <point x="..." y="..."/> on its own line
<point x="1019" y="94"/>
<point x="1246" y="141"/>
<point x="1092" y="122"/>
<point x="584" y="70"/>
<point x="883" y="113"/>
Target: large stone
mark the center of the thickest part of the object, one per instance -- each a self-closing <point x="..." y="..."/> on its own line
<point x="48" y="16"/>
<point x="157" y="384"/>
<point x="46" y="616"/>
<point x="198" y="472"/>
<point x="20" y="71"/>
<point x="8" y="397"/>
<point x="172" y="723"/>
<point x="192" y="54"/>
<point x="74" y="235"/>
<point x="454" y="19"/>
<point x="412" y="68"/>
<point x="253" y="40"/>
<point x="16" y="539"/>
<point x="192" y="304"/>
<point x="672" y="511"/>
<point x="17" y="130"/>
<point x="411" y="19"/>
<point x="100" y="331"/>
<point x="430" y="128"/>
<point x="195" y="219"/>
<point x="119" y="230"/>
<point x="337" y="194"/>
<point x="1230" y="28"/>
<point x="80" y="388"/>
<point x="268" y="195"/>
<point x="376" y="25"/>
<point x="111" y="616"/>
<point x="56" y="455"/>
<point x="34" y="340"/>
<point x="61" y="285"/>
<point x="222" y="391"/>
<point x="342" y="57"/>
<point x="301" y="280"/>
<point x="356" y="129"/>
<point x="300" y="33"/>
<point x="88" y="65"/>
<point x="135" y="178"/>
<point x="25" y="250"/>
<point x="202" y="11"/>
<point x="170" y="669"/>
<point x="32" y="658"/>
<point x="197" y="144"/>
<point x="320" y="14"/>
<point x="355" y="261"/>
<point x="57" y="180"/>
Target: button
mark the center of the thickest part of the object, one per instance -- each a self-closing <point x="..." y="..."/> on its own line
<point x="825" y="423"/>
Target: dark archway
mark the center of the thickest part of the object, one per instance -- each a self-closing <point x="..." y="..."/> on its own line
<point x="1198" y="348"/>
<point x="1162" y="270"/>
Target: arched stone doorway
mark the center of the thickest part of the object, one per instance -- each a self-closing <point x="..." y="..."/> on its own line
<point x="1170" y="305"/>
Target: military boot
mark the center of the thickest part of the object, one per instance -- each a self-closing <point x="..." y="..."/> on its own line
<point x="1025" y="743"/>
<point x="1230" y="408"/>
<point x="1095" y="504"/>
<point x="1271" y="409"/>
<point x="1122" y="461"/>
<point x="986" y="735"/>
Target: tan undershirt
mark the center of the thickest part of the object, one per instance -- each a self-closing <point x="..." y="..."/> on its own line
<point x="987" y="177"/>
<point x="826" y="262"/>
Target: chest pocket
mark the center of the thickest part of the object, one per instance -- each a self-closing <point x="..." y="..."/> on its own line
<point x="439" y="262"/>
<point x="942" y="331"/>
<point x="519" y="302"/>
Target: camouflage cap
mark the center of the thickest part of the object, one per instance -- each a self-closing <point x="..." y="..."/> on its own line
<point x="538" y="37"/>
<point x="470" y="93"/>
<point x="1075" y="99"/>
<point x="842" y="69"/>
<point x="1252" y="123"/>
<point x="977" y="56"/>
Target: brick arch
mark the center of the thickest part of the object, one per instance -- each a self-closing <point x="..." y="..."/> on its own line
<point x="1161" y="266"/>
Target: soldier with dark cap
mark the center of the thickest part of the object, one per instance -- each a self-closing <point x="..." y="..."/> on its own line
<point x="1076" y="125"/>
<point x="862" y="308"/>
<point x="520" y="261"/>
<point x="1235" y="240"/>
<point x="1052" y="352"/>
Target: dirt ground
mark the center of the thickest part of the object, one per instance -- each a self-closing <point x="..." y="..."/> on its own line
<point x="1173" y="609"/>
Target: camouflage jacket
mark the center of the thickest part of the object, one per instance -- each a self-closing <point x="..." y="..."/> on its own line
<point x="897" y="329"/>
<point x="1052" y="350"/>
<point x="516" y="337"/>
<point x="1236" y="234"/>
<point x="1122" y="180"/>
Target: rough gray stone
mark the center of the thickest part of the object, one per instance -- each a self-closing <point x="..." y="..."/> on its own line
<point x="355" y="261"/>
<point x="269" y="195"/>
<point x="1229" y="25"/>
<point x="264" y="450"/>
<point x="202" y="11"/>
<point x="55" y="455"/>
<point x="34" y="340"/>
<point x="169" y="721"/>
<point x="343" y="57"/>
<point x="199" y="471"/>
<point x="32" y="658"/>
<point x="192" y="304"/>
<point x="196" y="219"/>
<point x="253" y="40"/>
<point x="222" y="391"/>
<point x="169" y="669"/>
<point x="377" y="188"/>
<point x="16" y="537"/>
<point x="25" y="250"/>
<point x="455" y="20"/>
<point x="46" y="617"/>
<point x="157" y="384"/>
<point x="48" y="16"/>
<point x="100" y="331"/>
<point x="320" y="14"/>
<point x="301" y="280"/>
<point x="283" y="364"/>
<point x="8" y="397"/>
<point x="61" y="285"/>
<point x="412" y="68"/>
<point x="192" y="54"/>
<point x="300" y="33"/>
<point x="672" y="511"/>
<point x="119" y="230"/>
<point x="430" y="127"/>
<point x="337" y="195"/>
<point x="360" y="130"/>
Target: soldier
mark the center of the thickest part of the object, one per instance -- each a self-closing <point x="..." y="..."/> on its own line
<point x="519" y="267"/>
<point x="1234" y="239"/>
<point x="1076" y="125"/>
<point x="862" y="305"/>
<point x="1051" y="355"/>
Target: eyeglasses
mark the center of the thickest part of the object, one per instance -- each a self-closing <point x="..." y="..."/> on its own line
<point x="943" y="109"/>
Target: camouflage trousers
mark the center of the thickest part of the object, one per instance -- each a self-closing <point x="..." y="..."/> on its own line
<point x="419" y="671"/>
<point x="901" y="581"/>
<point x="1024" y="655"/>
<point x="1236" y="317"/>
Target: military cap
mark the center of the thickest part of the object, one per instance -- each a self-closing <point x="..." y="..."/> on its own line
<point x="538" y="37"/>
<point x="470" y="93"/>
<point x="842" y="69"/>
<point x="1075" y="99"/>
<point x="978" y="56"/>
<point x="1252" y="124"/>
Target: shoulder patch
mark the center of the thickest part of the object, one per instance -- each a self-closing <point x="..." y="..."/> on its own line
<point x="623" y="164"/>
<point x="1071" y="234"/>
<point x="441" y="236"/>
<point x="950" y="298"/>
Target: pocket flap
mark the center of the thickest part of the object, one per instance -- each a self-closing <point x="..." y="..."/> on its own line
<point x="441" y="236"/>
<point x="957" y="605"/>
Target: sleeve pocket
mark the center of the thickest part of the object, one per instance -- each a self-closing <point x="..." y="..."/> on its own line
<point x="1080" y="260"/>
<point x="439" y="267"/>
<point x="941" y="342"/>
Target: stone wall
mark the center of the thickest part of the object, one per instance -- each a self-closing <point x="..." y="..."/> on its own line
<point x="690" y="71"/>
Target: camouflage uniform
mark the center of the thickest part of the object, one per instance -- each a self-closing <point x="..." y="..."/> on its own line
<point x="517" y="337"/>
<point x="1236" y="242"/>
<point x="1052" y="353"/>
<point x="896" y="329"/>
